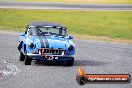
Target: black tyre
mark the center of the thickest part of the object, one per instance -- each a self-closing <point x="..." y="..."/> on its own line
<point x="27" y="60"/>
<point x="81" y="80"/>
<point x="22" y="57"/>
<point x="19" y="46"/>
<point x="70" y="62"/>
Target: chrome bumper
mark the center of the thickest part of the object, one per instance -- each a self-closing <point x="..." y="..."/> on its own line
<point x="29" y="54"/>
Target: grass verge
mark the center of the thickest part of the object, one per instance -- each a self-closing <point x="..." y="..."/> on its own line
<point x="111" y="24"/>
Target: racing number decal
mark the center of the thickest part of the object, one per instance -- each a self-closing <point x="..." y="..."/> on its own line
<point x="51" y="57"/>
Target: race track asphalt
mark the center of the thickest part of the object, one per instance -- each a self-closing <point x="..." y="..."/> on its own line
<point x="63" y="6"/>
<point x="94" y="56"/>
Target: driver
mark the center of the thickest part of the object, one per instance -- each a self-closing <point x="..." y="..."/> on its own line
<point x="34" y="31"/>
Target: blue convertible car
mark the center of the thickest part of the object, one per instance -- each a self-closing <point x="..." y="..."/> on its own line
<point x="46" y="41"/>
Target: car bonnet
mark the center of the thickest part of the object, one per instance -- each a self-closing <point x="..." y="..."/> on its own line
<point x="49" y="42"/>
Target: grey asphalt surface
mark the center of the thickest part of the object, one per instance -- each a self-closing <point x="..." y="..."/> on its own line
<point x="38" y="5"/>
<point x="94" y="56"/>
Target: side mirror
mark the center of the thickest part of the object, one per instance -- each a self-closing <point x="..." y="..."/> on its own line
<point x="70" y="37"/>
<point x="27" y="26"/>
<point x="22" y="34"/>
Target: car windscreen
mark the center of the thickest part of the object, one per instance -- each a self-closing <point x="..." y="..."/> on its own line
<point x="48" y="31"/>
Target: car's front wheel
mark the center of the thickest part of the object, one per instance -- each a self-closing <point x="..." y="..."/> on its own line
<point x="21" y="58"/>
<point x="27" y="60"/>
<point x="70" y="62"/>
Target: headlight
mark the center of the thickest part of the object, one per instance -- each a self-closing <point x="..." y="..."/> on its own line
<point x="70" y="47"/>
<point x="31" y="45"/>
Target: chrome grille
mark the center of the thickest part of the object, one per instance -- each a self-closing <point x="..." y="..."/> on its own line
<point x="48" y="51"/>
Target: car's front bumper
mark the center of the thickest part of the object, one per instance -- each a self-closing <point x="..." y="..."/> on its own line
<point x="60" y="57"/>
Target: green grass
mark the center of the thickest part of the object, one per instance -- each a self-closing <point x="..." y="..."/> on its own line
<point x="111" y="24"/>
<point x="83" y="1"/>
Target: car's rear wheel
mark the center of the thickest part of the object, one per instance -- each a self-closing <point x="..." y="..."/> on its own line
<point x="22" y="57"/>
<point x="27" y="60"/>
<point x="19" y="46"/>
<point x="70" y="62"/>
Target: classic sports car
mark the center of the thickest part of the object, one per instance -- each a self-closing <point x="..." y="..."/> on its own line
<point x="46" y="41"/>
